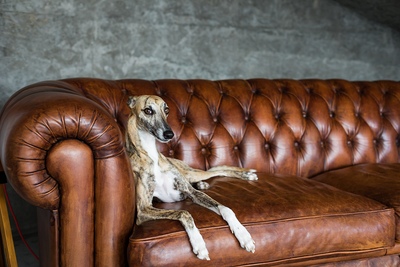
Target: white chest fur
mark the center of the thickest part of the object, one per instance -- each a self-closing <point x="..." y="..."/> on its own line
<point x="165" y="188"/>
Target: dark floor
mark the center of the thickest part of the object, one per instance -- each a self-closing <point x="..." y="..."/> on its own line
<point x="24" y="256"/>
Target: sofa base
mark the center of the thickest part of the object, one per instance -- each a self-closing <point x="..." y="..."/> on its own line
<point x="48" y="225"/>
<point x="385" y="261"/>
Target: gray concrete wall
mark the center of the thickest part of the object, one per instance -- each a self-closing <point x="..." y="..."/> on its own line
<point x="211" y="39"/>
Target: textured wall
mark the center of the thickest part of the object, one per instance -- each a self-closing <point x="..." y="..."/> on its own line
<point x="212" y="39"/>
<point x="51" y="39"/>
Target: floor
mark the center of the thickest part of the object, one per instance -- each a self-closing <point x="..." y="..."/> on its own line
<point x="24" y="256"/>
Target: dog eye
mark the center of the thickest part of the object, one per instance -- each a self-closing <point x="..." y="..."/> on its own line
<point x="166" y="110"/>
<point x="148" y="111"/>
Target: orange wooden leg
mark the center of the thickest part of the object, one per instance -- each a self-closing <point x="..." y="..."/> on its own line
<point x="6" y="234"/>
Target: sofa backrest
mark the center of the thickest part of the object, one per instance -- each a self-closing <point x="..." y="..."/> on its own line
<point x="301" y="127"/>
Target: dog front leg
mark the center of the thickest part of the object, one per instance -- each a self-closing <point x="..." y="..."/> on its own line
<point x="240" y="232"/>
<point x="195" y="238"/>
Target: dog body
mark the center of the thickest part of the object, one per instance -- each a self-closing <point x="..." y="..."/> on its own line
<point x="171" y="180"/>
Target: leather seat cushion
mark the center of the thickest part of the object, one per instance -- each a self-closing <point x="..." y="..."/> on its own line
<point x="380" y="182"/>
<point x="290" y="219"/>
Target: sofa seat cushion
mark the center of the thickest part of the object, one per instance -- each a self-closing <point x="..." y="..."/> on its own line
<point x="380" y="182"/>
<point x="291" y="219"/>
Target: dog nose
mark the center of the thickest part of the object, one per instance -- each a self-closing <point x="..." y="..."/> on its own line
<point x="168" y="134"/>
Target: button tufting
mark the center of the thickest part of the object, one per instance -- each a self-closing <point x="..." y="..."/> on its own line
<point x="283" y="90"/>
<point x="204" y="151"/>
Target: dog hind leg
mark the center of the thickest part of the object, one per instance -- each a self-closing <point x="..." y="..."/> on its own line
<point x="196" y="176"/>
<point x="236" y="172"/>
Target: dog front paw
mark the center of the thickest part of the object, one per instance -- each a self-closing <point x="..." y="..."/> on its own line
<point x="244" y="238"/>
<point x="201" y="253"/>
<point x="198" y="244"/>
<point x="250" y="175"/>
<point x="249" y="245"/>
<point x="199" y="248"/>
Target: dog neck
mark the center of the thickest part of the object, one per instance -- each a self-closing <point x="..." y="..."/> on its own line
<point x="142" y="141"/>
<point x="148" y="144"/>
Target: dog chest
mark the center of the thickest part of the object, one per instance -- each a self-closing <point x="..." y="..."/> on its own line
<point x="166" y="188"/>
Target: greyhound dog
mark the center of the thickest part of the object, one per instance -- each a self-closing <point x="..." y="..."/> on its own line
<point x="170" y="180"/>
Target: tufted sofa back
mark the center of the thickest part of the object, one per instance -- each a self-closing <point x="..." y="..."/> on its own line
<point x="301" y="127"/>
<point x="59" y="137"/>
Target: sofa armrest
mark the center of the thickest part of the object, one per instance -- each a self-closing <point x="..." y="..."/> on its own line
<point x="37" y="125"/>
<point x="37" y="118"/>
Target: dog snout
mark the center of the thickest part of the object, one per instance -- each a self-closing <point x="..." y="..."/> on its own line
<point x="168" y="134"/>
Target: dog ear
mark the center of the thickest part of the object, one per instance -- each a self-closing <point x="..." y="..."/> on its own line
<point x="131" y="101"/>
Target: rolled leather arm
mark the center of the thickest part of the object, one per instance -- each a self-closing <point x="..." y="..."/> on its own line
<point x="40" y="116"/>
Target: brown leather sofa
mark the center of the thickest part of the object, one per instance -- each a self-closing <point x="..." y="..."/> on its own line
<point x="326" y="152"/>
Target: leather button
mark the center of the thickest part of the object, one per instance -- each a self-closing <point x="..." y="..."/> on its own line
<point x="204" y="151"/>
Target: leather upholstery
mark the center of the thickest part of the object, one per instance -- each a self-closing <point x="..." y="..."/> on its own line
<point x="288" y="127"/>
<point x="291" y="220"/>
<point x="376" y="181"/>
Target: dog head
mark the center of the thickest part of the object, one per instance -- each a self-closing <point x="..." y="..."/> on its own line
<point x="151" y="114"/>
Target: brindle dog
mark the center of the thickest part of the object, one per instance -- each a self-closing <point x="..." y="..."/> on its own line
<point x="170" y="179"/>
